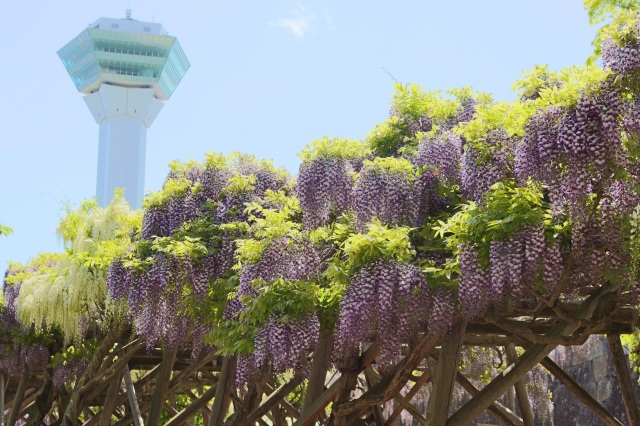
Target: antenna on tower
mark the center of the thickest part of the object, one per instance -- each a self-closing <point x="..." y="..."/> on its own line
<point x="128" y="14"/>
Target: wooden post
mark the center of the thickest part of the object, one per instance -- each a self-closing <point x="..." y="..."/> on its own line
<point x="17" y="399"/>
<point x="162" y="385"/>
<point x="377" y="411"/>
<point x="445" y="376"/>
<point x="222" y="399"/>
<point x="131" y="394"/>
<point x="521" y="390"/>
<point x="624" y="378"/>
<point x="319" y="367"/>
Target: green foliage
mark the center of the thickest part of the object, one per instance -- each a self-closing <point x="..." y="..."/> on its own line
<point x="275" y="216"/>
<point x="5" y="230"/>
<point x="335" y="149"/>
<point x="508" y="208"/>
<point x="412" y="101"/>
<point x="74" y="288"/>
<point x="389" y="137"/>
<point x="511" y="117"/>
<point x="620" y="17"/>
<point x="173" y="187"/>
<point x="81" y="350"/>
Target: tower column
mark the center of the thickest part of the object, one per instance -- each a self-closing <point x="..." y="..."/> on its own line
<point x="124" y="114"/>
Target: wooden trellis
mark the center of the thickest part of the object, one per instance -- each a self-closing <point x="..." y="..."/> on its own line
<point x="124" y="384"/>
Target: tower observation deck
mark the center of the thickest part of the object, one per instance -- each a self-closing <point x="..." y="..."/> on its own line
<point x="126" y="69"/>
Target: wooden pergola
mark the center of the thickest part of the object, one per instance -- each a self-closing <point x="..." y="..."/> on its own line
<point x="124" y="384"/>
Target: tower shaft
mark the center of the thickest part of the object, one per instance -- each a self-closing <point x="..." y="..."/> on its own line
<point x="124" y="114"/>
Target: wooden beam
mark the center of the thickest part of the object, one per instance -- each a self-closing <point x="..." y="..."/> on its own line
<point x="226" y="384"/>
<point x="445" y="375"/>
<point x="42" y="404"/>
<point x="402" y="402"/>
<point x="293" y="412"/>
<point x="582" y="395"/>
<point x="191" y="409"/>
<point x="19" y="396"/>
<point x="72" y="411"/>
<point x="426" y="374"/>
<point x="371" y="378"/>
<point x="526" y="362"/>
<point x="162" y="385"/>
<point x="499" y="411"/>
<point x="308" y="416"/>
<point x="624" y="378"/>
<point x="275" y="397"/>
<point x="521" y="389"/>
<point x="131" y="395"/>
<point x="109" y="405"/>
<point x="319" y="367"/>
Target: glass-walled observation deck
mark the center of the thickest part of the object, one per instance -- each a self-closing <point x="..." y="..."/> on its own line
<point x="130" y="59"/>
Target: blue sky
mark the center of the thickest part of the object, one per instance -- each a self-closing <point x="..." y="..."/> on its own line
<point x="266" y="77"/>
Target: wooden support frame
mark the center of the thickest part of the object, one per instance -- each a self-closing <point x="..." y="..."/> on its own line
<point x="532" y="356"/>
<point x="624" y="378"/>
<point x="445" y="374"/>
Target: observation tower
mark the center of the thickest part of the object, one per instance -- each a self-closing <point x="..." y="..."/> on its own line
<point x="126" y="69"/>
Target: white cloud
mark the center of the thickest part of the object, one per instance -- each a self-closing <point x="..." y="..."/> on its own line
<point x="299" y="23"/>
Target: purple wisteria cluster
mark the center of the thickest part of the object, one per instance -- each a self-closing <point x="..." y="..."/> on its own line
<point x="286" y="344"/>
<point x="388" y="302"/>
<point x="622" y="58"/>
<point x="390" y="195"/>
<point x="573" y="151"/>
<point x="281" y="342"/>
<point x="154" y="294"/>
<point x="516" y="265"/>
<point x="479" y="169"/>
<point x="441" y="153"/>
<point x="324" y="188"/>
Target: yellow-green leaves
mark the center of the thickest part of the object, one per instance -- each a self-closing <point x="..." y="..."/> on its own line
<point x="411" y="100"/>
<point x="334" y="148"/>
<point x="622" y="17"/>
<point x="378" y="241"/>
<point x="270" y="218"/>
<point x="512" y="117"/>
<point x="5" y="230"/>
